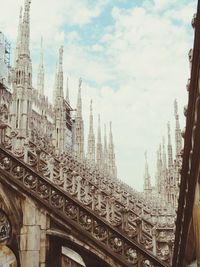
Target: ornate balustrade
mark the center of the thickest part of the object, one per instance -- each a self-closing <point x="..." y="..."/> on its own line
<point x="62" y="203"/>
<point x="103" y="196"/>
<point x="122" y="193"/>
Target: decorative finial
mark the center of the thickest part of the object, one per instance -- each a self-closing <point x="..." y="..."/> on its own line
<point x="20" y="14"/>
<point x="26" y="11"/>
<point x="80" y="82"/>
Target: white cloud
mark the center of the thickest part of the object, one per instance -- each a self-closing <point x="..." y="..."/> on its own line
<point x="97" y="48"/>
<point x="183" y="15"/>
<point x="163" y="4"/>
<point x="72" y="36"/>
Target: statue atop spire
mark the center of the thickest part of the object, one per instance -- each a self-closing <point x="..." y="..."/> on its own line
<point x="40" y="76"/>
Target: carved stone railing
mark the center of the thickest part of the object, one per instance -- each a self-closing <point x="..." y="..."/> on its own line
<point x="122" y="247"/>
<point x="121" y="192"/>
<point x="102" y="196"/>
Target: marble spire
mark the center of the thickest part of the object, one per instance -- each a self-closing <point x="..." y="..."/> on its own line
<point x="111" y="155"/>
<point x="18" y="43"/>
<point x="59" y="123"/>
<point x="99" y="156"/>
<point x="67" y="91"/>
<point x="147" y="180"/>
<point x="79" y="126"/>
<point x="91" y="139"/>
<point x="21" y="107"/>
<point x="178" y="139"/>
<point x="40" y="76"/>
<point x="170" y="155"/>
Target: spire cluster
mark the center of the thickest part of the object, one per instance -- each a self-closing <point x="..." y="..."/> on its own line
<point x="167" y="173"/>
<point x="58" y="123"/>
<point x="100" y="155"/>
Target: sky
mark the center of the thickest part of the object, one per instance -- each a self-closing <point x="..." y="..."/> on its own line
<point x="132" y="56"/>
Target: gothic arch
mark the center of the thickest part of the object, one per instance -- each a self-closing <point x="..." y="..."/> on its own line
<point x="90" y="255"/>
<point x="69" y="256"/>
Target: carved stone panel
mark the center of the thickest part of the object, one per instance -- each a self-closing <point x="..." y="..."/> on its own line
<point x="5" y="227"/>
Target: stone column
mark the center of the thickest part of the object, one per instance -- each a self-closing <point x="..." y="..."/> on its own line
<point x="33" y="236"/>
<point x="154" y="243"/>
